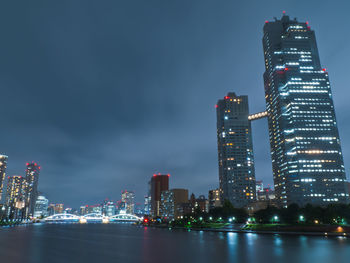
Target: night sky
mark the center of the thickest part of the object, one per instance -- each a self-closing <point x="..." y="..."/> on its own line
<point x="102" y="94"/>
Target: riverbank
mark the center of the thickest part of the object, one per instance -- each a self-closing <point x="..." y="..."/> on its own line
<point x="334" y="231"/>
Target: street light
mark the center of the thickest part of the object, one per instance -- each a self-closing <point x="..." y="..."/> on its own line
<point x="210" y="218"/>
<point x="301" y="218"/>
<point x="275" y="219"/>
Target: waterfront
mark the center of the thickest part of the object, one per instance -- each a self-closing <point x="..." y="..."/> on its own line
<point x="129" y="243"/>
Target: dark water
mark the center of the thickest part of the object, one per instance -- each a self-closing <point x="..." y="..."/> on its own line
<point x="126" y="243"/>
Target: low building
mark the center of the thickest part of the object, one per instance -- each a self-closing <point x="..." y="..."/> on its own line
<point x="214" y="199"/>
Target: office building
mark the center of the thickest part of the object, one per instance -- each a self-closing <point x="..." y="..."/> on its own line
<point x="167" y="210"/>
<point x="235" y="151"/>
<point x="59" y="208"/>
<point x="15" y="197"/>
<point x="31" y="187"/>
<point x="159" y="183"/>
<point x="3" y="165"/>
<point x="41" y="206"/>
<point x="307" y="160"/>
<point x="214" y="198"/>
<point x="128" y="199"/>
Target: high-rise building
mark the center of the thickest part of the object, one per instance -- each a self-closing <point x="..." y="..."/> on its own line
<point x="3" y="165"/>
<point x="15" y="197"/>
<point x="307" y="160"/>
<point x="235" y="150"/>
<point x="41" y="206"/>
<point x="31" y="187"/>
<point x="214" y="198"/>
<point x="128" y="198"/>
<point x="167" y="210"/>
<point x="159" y="183"/>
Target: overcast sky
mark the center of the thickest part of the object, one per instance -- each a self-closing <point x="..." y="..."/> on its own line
<point x="102" y="94"/>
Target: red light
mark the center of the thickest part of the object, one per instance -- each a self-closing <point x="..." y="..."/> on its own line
<point x="309" y="27"/>
<point x="154" y="175"/>
<point x="284" y="12"/>
<point x="216" y="106"/>
<point x="35" y="164"/>
<point x="266" y="22"/>
<point x="227" y="97"/>
<point x="324" y="69"/>
<point x="286" y="69"/>
<point x="145" y="220"/>
<point x="27" y="164"/>
<point x="168" y="175"/>
<point x="307" y="22"/>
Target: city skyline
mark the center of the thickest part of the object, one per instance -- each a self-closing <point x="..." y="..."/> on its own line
<point x="93" y="150"/>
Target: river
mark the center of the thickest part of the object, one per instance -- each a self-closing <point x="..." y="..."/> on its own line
<point x="104" y="243"/>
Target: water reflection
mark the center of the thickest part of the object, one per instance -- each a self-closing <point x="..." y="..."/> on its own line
<point x="126" y="243"/>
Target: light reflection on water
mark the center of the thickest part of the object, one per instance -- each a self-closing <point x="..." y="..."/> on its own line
<point x="127" y="243"/>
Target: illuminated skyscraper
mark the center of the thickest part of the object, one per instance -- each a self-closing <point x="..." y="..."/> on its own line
<point x="3" y="165"/>
<point x="159" y="183"/>
<point x="235" y="150"/>
<point x="128" y="199"/>
<point x="41" y="206"/>
<point x="307" y="160"/>
<point x="15" y="197"/>
<point x="31" y="187"/>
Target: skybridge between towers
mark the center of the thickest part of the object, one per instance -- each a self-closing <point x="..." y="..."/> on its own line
<point x="257" y="116"/>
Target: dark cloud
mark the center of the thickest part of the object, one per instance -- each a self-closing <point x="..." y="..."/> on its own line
<point x="103" y="94"/>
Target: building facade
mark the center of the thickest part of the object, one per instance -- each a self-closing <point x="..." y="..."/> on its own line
<point x="128" y="199"/>
<point x="3" y="165"/>
<point x="307" y="160"/>
<point x="167" y="207"/>
<point x="235" y="151"/>
<point x="31" y="187"/>
<point x="41" y="206"/>
<point x="15" y="197"/>
<point x="159" y="183"/>
<point x="214" y="198"/>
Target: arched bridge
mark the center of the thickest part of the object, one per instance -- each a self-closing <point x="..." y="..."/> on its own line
<point x="92" y="218"/>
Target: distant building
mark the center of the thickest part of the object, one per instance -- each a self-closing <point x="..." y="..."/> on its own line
<point x="15" y="197"/>
<point x="128" y="198"/>
<point x="214" y="199"/>
<point x="266" y="194"/>
<point x="159" y="183"/>
<point x="59" y="208"/>
<point x="3" y="165"/>
<point x="259" y="186"/>
<point x="147" y="205"/>
<point x="82" y="210"/>
<point x="167" y="205"/>
<point x="31" y="187"/>
<point x="110" y="209"/>
<point x="51" y="209"/>
<point x="202" y="203"/>
<point x="180" y="197"/>
<point x="235" y="151"/>
<point x="41" y="206"/>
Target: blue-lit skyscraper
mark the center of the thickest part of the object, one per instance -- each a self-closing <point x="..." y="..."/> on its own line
<point x="306" y="155"/>
<point x="235" y="151"/>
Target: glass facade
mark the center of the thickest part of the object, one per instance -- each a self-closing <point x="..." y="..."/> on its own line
<point x="31" y="187"/>
<point x="3" y="164"/>
<point x="307" y="160"/>
<point x="235" y="150"/>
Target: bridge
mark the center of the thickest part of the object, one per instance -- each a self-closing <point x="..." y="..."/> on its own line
<point x="92" y="218"/>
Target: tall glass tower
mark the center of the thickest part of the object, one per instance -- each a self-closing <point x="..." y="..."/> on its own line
<point x="31" y="187"/>
<point x="307" y="160"/>
<point x="235" y="150"/>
